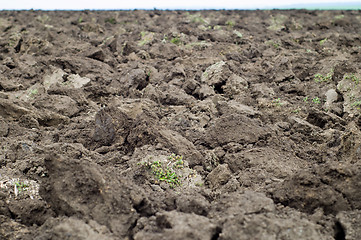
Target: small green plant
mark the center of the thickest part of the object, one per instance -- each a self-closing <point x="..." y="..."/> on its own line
<point x="296" y="110"/>
<point x="80" y="19"/>
<point x="278" y="102"/>
<point x="177" y="159"/>
<point x="111" y="20"/>
<point x="43" y="18"/>
<point x="356" y="104"/>
<point x="323" y="41"/>
<point x="176" y="41"/>
<point x="21" y="186"/>
<point x="338" y="17"/>
<point x="316" y="100"/>
<point x="230" y="23"/>
<point x="165" y="38"/>
<point x="165" y="172"/>
<point x="199" y="184"/>
<point x="305" y="99"/>
<point x="273" y="43"/>
<point x="321" y="78"/>
<point x="146" y="37"/>
<point x="353" y="77"/>
<point x="197" y="18"/>
<point x="32" y="92"/>
<point x="318" y="77"/>
<point x="276" y="45"/>
<point x="238" y="34"/>
<point x="277" y="23"/>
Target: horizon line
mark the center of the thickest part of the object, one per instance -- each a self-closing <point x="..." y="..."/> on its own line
<point x="299" y="6"/>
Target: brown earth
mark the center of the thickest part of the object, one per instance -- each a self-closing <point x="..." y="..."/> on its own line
<point x="180" y="125"/>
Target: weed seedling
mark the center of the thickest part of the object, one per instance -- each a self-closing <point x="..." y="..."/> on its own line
<point x="111" y="20"/>
<point x="353" y="77"/>
<point x="316" y="100"/>
<point x="167" y="172"/>
<point x="323" y="41"/>
<point x="146" y="37"/>
<point x="33" y="92"/>
<point x="277" y="102"/>
<point x="239" y="34"/>
<point x="274" y="44"/>
<point x="230" y="24"/>
<point x="296" y="110"/>
<point x="339" y="17"/>
<point x="320" y="78"/>
<point x="176" y="41"/>
<point x="356" y="104"/>
<point x="21" y="186"/>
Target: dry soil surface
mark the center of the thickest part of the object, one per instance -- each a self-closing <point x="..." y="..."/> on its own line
<point x="180" y="125"/>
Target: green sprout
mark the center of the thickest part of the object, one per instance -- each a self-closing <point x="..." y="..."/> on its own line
<point x="320" y="78"/>
<point x="33" y="92"/>
<point x="323" y="41"/>
<point x="176" y="41"/>
<point x="276" y="45"/>
<point x="339" y="17"/>
<point x="296" y="110"/>
<point x="165" y="38"/>
<point x="111" y="20"/>
<point x="277" y="101"/>
<point x="166" y="172"/>
<point x="316" y="100"/>
<point x="353" y="77"/>
<point x="179" y="163"/>
<point x="277" y="22"/>
<point x="21" y="186"/>
<point x="230" y="23"/>
<point x="273" y="43"/>
<point x="197" y="18"/>
<point x="239" y="34"/>
<point x="356" y="104"/>
<point x="305" y="99"/>
<point x="146" y="37"/>
<point x="199" y="184"/>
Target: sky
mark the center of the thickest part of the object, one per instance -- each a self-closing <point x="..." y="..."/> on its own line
<point x="159" y="4"/>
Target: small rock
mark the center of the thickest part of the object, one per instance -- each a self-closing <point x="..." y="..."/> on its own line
<point x="331" y="96"/>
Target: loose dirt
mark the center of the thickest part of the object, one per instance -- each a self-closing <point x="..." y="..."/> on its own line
<point x="180" y="125"/>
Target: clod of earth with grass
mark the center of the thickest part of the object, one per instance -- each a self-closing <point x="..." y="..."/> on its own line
<point x="172" y="170"/>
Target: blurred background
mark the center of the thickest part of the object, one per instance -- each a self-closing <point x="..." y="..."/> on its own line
<point x="184" y="4"/>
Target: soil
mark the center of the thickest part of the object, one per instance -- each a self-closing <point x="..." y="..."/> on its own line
<point x="180" y="125"/>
